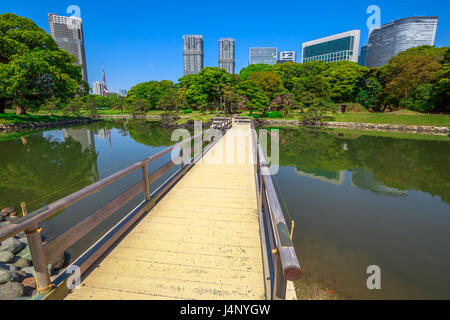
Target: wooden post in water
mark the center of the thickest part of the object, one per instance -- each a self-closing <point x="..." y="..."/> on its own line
<point x="146" y="181"/>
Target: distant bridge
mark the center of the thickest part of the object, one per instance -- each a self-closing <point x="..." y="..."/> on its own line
<point x="213" y="230"/>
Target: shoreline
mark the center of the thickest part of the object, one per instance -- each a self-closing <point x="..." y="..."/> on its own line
<point x="401" y="128"/>
<point x="24" y="126"/>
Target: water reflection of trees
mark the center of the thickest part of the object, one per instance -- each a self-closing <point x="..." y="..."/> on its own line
<point x="48" y="169"/>
<point x="149" y="133"/>
<point x="402" y="164"/>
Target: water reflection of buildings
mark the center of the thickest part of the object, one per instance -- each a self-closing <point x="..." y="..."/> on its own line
<point x="362" y="178"/>
<point x="86" y="138"/>
<point x="333" y="177"/>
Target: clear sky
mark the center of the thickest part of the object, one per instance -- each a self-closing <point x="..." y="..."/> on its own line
<point x="142" y="40"/>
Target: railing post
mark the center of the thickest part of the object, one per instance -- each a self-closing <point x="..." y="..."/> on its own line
<point x="181" y="157"/>
<point x="41" y="275"/>
<point x="280" y="280"/>
<point x="146" y="182"/>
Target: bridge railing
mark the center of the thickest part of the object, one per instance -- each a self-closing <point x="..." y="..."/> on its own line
<point x="283" y="260"/>
<point x="42" y="254"/>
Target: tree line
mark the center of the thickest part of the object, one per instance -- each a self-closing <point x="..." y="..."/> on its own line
<point x="35" y="74"/>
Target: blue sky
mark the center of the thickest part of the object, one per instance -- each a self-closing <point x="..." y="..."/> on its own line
<point x="142" y="40"/>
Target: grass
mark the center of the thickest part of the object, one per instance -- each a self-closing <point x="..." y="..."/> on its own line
<point x="404" y="118"/>
<point x="6" y="118"/>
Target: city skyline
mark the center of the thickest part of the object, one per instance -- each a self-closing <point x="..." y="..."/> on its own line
<point x="137" y="49"/>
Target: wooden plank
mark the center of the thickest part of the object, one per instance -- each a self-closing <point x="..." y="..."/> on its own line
<point x="200" y="241"/>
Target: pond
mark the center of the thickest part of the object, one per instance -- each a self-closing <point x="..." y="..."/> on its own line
<point x="357" y="198"/>
<point x="369" y="198"/>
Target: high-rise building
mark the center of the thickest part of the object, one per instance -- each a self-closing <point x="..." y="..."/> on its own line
<point x="287" y="56"/>
<point x="394" y="37"/>
<point x="97" y="88"/>
<point x="362" y="60"/>
<point x="226" y="54"/>
<point x="263" y="55"/>
<point x="123" y="92"/>
<point x="192" y="54"/>
<point x="68" y="34"/>
<point x="342" y="46"/>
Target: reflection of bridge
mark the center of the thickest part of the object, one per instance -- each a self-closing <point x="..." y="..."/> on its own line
<point x="213" y="230"/>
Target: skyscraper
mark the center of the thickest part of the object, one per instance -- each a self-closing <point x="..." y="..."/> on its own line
<point x="226" y="54"/>
<point x="394" y="37"/>
<point x="68" y="34"/>
<point x="287" y="56"/>
<point x="263" y="55"/>
<point x="362" y="60"/>
<point x="97" y="87"/>
<point x="342" y="46"/>
<point x="192" y="54"/>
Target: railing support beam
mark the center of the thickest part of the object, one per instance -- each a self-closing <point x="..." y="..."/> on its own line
<point x="146" y="181"/>
<point x="41" y="275"/>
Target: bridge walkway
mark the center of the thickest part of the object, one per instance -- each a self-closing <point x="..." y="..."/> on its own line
<point x="201" y="241"/>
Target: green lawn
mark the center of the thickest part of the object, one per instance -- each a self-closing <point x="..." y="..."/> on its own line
<point x="399" y="117"/>
<point x="6" y="118"/>
<point x="395" y="118"/>
<point x="405" y="118"/>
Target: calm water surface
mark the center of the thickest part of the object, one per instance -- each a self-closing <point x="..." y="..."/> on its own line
<point x="357" y="199"/>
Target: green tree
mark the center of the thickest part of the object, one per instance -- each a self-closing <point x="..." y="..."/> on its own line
<point x="32" y="67"/>
<point x="255" y="99"/>
<point x="139" y="107"/>
<point x="245" y="72"/>
<point x="269" y="82"/>
<point x="317" y="111"/>
<point x="283" y="102"/>
<point x="343" y="78"/>
<point x="409" y="69"/>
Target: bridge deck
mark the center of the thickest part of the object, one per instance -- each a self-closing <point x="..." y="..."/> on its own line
<point x="201" y="241"/>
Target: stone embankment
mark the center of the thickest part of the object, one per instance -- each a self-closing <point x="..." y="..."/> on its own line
<point x="360" y="126"/>
<point x="8" y="127"/>
<point x="16" y="268"/>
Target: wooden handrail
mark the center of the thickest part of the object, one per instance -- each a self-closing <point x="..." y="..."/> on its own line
<point x="42" y="254"/>
<point x="44" y="213"/>
<point x="281" y="244"/>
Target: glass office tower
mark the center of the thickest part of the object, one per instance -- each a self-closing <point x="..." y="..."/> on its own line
<point x="342" y="46"/>
<point x="192" y="54"/>
<point x="226" y="54"/>
<point x="263" y="55"/>
<point x="362" y="60"/>
<point x="392" y="38"/>
<point x="68" y="34"/>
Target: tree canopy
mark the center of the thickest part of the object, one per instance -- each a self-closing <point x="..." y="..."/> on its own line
<point x="32" y="67"/>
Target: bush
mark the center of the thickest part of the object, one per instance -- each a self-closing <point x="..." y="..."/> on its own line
<point x="187" y="111"/>
<point x="274" y="114"/>
<point x="352" y="108"/>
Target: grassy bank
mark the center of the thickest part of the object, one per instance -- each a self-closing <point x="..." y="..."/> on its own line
<point x="436" y="120"/>
<point x="6" y="118"/>
<point x="398" y="117"/>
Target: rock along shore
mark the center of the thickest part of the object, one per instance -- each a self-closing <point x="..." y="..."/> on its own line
<point x="360" y="126"/>
<point x="16" y="268"/>
<point x="10" y="127"/>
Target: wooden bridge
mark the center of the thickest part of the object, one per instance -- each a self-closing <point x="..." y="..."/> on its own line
<point x="213" y="230"/>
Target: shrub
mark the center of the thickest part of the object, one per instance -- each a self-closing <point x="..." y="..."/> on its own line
<point x="187" y="111"/>
<point x="274" y="114"/>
